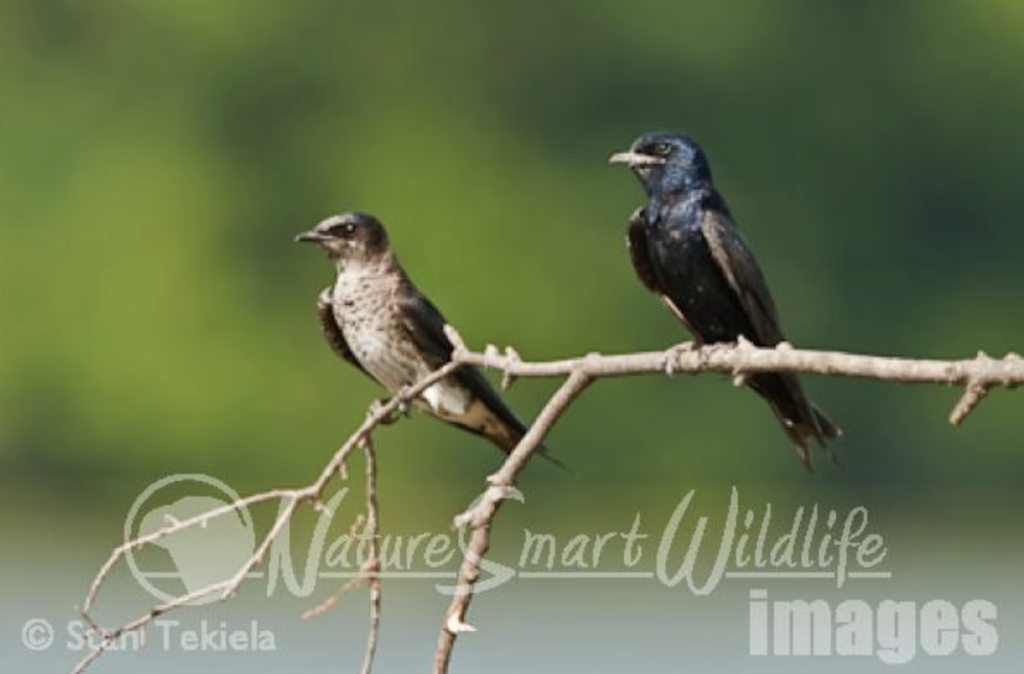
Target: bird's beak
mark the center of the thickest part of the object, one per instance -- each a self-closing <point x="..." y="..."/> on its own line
<point x="312" y="236"/>
<point x="635" y="159"/>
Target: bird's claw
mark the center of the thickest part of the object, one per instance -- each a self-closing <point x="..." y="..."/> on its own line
<point x="403" y="409"/>
<point x="744" y="344"/>
<point x="673" y="354"/>
<point x="376" y="408"/>
<point x="511" y="360"/>
<point x="739" y="375"/>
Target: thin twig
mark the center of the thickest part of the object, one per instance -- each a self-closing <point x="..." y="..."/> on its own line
<point x="292" y="498"/>
<point x="372" y="566"/>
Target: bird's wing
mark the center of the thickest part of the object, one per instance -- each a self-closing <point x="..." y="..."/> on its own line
<point x="332" y="331"/>
<point x="782" y="391"/>
<point x="424" y="324"/>
<point x="639" y="253"/>
<point x="740" y="270"/>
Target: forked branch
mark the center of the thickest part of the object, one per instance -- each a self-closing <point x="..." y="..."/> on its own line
<point x="976" y="376"/>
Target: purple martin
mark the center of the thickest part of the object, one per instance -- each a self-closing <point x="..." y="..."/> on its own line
<point x="686" y="249"/>
<point x="376" y="319"/>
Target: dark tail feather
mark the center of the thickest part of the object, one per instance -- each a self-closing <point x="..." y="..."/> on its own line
<point x="829" y="429"/>
<point x="800" y="419"/>
<point x="546" y="453"/>
<point x="503" y="427"/>
<point x="802" y="432"/>
<point x="513" y="433"/>
<point x="508" y="446"/>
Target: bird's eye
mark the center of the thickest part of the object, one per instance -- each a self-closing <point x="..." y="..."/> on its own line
<point x="662" y="149"/>
<point x="345" y="230"/>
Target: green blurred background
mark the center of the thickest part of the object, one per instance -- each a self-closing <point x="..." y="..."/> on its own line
<point x="158" y="157"/>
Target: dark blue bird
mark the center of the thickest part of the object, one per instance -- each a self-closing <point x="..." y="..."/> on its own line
<point x="686" y="249"/>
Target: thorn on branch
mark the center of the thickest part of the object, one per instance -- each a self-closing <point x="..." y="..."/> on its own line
<point x="500" y="492"/>
<point x="469" y="518"/>
<point x="320" y="508"/>
<point x="456" y="625"/>
<point x="492" y="357"/>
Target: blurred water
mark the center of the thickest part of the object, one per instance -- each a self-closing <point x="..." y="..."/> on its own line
<point x="584" y="624"/>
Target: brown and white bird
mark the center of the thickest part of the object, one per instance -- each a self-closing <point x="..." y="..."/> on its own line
<point x="375" y="318"/>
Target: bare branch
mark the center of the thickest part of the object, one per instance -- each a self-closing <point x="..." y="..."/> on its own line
<point x="372" y="566"/>
<point x="729" y="359"/>
<point x="482" y="514"/>
<point x="312" y="493"/>
<point x="977" y="376"/>
<point x="369" y="529"/>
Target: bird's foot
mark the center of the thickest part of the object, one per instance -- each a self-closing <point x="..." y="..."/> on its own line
<point x="511" y="360"/>
<point x="674" y="353"/>
<point x="404" y="409"/>
<point x="744" y="344"/>
<point x="739" y="375"/>
<point x="714" y="347"/>
<point x="506" y="362"/>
